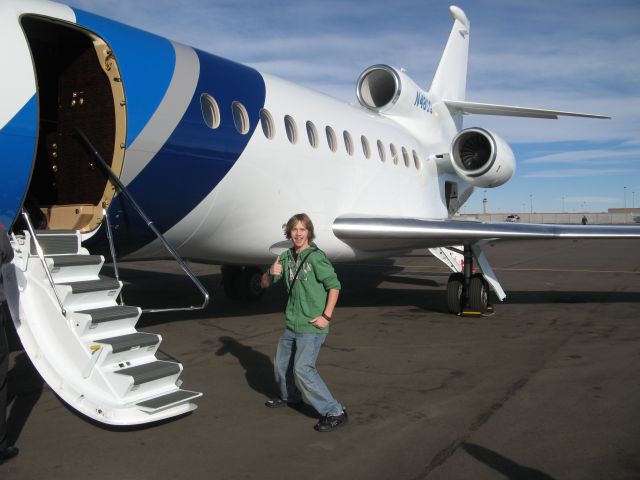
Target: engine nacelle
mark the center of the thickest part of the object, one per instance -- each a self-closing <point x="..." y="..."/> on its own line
<point x="482" y="158"/>
<point x="387" y="90"/>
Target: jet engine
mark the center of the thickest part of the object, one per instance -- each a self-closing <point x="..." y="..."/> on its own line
<point x="482" y="158"/>
<point x="387" y="90"/>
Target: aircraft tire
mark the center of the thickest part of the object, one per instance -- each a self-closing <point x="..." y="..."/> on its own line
<point x="478" y="294"/>
<point x="232" y="282"/>
<point x="252" y="290"/>
<point x="454" y="292"/>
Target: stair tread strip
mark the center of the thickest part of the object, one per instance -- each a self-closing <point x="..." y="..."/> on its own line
<point x="75" y="260"/>
<point x="55" y="232"/>
<point x="106" y="314"/>
<point x="163" y="401"/>
<point x="150" y="371"/>
<point x="86" y="286"/>
<point x="53" y="244"/>
<point x="129" y="341"/>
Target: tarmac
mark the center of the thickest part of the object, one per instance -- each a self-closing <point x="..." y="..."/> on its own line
<point x="546" y="388"/>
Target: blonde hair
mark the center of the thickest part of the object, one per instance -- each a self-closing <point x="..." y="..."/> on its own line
<point x="306" y="221"/>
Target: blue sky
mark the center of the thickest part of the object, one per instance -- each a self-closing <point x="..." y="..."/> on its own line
<point x="567" y="55"/>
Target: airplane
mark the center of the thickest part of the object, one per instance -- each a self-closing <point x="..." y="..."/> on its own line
<point x="126" y="143"/>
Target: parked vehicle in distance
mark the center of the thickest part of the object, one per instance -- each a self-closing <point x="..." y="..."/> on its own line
<point x="513" y="218"/>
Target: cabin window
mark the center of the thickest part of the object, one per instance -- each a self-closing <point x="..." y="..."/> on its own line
<point x="210" y="110"/>
<point x="416" y="160"/>
<point x="290" y="127"/>
<point x="331" y="139"/>
<point x="240" y="117"/>
<point x="381" y="152"/>
<point x="365" y="146"/>
<point x="266" y="120"/>
<point x="348" y="142"/>
<point x="405" y="157"/>
<point x="312" y="133"/>
<point x="394" y="153"/>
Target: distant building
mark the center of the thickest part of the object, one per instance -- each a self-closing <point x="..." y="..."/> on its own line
<point x="635" y="211"/>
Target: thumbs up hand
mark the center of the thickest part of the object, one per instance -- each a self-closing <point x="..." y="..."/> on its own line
<point x="276" y="268"/>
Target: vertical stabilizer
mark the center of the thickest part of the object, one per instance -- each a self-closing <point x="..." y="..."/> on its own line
<point x="450" y="80"/>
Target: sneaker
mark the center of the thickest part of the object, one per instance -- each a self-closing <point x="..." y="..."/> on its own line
<point x="328" y="423"/>
<point x="8" y="454"/>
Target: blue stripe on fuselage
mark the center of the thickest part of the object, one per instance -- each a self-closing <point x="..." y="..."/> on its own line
<point x="17" y="144"/>
<point x="146" y="62"/>
<point x="195" y="158"/>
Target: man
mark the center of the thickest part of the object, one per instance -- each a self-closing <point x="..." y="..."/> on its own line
<point x="313" y="293"/>
<point x="6" y="452"/>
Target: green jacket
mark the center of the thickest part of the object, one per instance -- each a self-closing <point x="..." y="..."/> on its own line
<point x="309" y="295"/>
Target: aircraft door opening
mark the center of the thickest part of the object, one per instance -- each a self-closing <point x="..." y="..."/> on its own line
<point x="79" y="86"/>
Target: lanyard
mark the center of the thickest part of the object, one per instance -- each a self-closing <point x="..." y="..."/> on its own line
<point x="298" y="270"/>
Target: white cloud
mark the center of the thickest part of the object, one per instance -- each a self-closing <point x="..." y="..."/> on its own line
<point x="582" y="172"/>
<point x="604" y="156"/>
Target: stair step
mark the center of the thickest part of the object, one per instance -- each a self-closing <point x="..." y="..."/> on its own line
<point x="95" y="359"/>
<point x="55" y="232"/>
<point x="108" y="314"/>
<point x="150" y="371"/>
<point x="75" y="260"/>
<point x="86" y="286"/>
<point x="132" y="340"/>
<point x="168" y="400"/>
<point x="56" y="242"/>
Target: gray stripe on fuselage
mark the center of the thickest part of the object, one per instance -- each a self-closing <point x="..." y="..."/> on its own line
<point x="168" y="114"/>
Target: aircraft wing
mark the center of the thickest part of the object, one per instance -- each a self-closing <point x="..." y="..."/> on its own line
<point x="512" y="111"/>
<point x="375" y="233"/>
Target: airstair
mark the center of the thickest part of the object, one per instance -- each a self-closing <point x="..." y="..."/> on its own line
<point x="83" y="343"/>
<point x="80" y="338"/>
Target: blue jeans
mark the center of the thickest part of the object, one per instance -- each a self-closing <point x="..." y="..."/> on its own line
<point x="296" y="374"/>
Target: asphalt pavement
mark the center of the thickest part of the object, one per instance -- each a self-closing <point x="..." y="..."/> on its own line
<point x="546" y="388"/>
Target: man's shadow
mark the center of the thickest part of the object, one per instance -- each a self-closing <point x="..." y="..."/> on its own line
<point x="258" y="371"/>
<point x="24" y="389"/>
<point x="507" y="467"/>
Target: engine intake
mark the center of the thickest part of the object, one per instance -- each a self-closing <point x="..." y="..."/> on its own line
<point x="387" y="90"/>
<point x="482" y="158"/>
<point x="378" y="86"/>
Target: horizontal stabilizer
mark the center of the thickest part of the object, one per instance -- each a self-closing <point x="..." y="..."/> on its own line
<point x="511" y="111"/>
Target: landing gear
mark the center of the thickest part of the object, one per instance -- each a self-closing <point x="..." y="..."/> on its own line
<point x="242" y="283"/>
<point x="454" y="292"/>
<point x="467" y="293"/>
<point x="478" y="297"/>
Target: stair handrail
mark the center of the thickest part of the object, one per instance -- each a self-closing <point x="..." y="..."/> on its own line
<point x="40" y="254"/>
<point x="112" y="248"/>
<point x="121" y="187"/>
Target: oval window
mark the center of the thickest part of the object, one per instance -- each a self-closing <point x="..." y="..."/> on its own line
<point x="394" y="153"/>
<point x="266" y="120"/>
<point x="331" y="139"/>
<point x="240" y="117"/>
<point x="405" y="157"/>
<point x="348" y="142"/>
<point x="381" y="152"/>
<point x="416" y="160"/>
<point x="365" y="147"/>
<point x="290" y="127"/>
<point x="312" y="133"/>
<point x="210" y="110"/>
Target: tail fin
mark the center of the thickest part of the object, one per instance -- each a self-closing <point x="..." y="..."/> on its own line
<point x="450" y="80"/>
